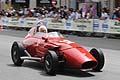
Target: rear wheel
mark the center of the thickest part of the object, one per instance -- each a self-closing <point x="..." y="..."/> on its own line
<point x="98" y="55"/>
<point x="17" y="51"/>
<point x="51" y="63"/>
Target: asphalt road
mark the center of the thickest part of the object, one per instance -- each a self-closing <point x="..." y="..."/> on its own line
<point x="34" y="71"/>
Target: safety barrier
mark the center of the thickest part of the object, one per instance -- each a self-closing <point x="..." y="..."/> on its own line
<point x="86" y="25"/>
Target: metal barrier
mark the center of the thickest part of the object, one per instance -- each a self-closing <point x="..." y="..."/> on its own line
<point x="82" y="25"/>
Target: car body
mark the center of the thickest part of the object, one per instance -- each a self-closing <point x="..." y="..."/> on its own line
<point x="55" y="52"/>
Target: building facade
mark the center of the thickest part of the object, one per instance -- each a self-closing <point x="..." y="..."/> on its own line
<point x="69" y="3"/>
<point x="5" y="4"/>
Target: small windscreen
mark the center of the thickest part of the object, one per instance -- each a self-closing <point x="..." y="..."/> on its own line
<point x="54" y="34"/>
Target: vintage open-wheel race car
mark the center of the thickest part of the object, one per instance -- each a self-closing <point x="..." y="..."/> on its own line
<point x="56" y="52"/>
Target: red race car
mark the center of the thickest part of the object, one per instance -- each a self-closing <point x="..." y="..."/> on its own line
<point x="56" y="53"/>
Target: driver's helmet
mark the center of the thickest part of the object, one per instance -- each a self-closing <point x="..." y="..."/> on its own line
<point x="41" y="27"/>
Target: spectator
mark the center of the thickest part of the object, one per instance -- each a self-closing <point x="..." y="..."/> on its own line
<point x="104" y="14"/>
<point x="88" y="14"/>
<point x="116" y="14"/>
<point x="77" y="15"/>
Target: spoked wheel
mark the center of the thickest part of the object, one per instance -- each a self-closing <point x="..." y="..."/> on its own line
<point x="16" y="52"/>
<point x="51" y="63"/>
<point x="98" y="55"/>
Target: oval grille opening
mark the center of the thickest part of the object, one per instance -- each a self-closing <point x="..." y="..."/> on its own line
<point x="89" y="64"/>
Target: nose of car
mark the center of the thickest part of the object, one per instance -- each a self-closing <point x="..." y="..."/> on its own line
<point x="77" y="59"/>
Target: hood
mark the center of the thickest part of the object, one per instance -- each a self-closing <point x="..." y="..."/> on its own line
<point x="76" y="55"/>
<point x="66" y="44"/>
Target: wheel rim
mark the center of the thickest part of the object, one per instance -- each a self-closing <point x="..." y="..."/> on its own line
<point x="15" y="56"/>
<point x="48" y="63"/>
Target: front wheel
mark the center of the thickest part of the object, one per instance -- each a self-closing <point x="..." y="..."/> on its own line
<point x="51" y="63"/>
<point x="98" y="55"/>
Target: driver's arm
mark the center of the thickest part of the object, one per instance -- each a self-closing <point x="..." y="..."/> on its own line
<point x="31" y="32"/>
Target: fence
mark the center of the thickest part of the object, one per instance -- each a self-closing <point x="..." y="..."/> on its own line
<point x="86" y="25"/>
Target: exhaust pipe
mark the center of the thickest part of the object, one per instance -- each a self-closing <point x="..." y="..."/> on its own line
<point x="30" y="58"/>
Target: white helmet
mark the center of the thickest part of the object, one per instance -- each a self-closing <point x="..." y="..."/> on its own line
<point x="41" y="27"/>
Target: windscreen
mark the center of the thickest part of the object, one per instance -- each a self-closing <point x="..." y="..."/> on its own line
<point x="49" y="35"/>
<point x="54" y="34"/>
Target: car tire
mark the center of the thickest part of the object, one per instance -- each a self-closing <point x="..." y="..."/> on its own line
<point x="17" y="51"/>
<point x="99" y="56"/>
<point x="51" y="63"/>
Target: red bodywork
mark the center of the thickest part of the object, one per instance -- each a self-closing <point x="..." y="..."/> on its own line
<point x="74" y="55"/>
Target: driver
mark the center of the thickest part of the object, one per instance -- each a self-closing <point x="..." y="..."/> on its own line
<point x="40" y="27"/>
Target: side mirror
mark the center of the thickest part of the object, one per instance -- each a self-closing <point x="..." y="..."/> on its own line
<point x="44" y="38"/>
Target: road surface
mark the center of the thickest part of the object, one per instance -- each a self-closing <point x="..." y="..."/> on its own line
<point x="34" y="71"/>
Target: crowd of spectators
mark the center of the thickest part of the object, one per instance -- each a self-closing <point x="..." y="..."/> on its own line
<point x="62" y="12"/>
<point x="116" y="13"/>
